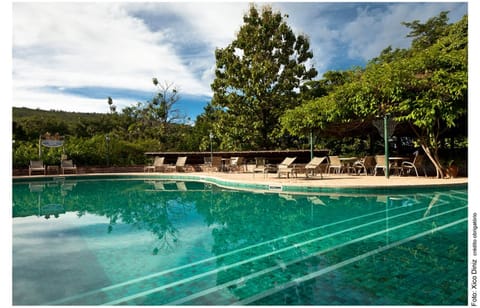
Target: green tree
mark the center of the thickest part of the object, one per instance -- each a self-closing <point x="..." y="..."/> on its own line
<point x="154" y="118"/>
<point x="332" y="114"/>
<point x="257" y="78"/>
<point x="427" y="34"/>
<point x="425" y="87"/>
<point x="438" y="86"/>
<point x="204" y="126"/>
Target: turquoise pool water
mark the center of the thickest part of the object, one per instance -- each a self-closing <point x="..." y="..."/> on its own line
<point x="152" y="242"/>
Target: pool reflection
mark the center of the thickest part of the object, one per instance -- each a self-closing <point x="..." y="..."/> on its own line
<point x="271" y="248"/>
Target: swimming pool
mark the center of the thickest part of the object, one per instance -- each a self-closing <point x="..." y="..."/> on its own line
<point x="154" y="242"/>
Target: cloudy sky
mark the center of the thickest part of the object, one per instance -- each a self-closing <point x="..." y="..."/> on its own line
<point x="72" y="56"/>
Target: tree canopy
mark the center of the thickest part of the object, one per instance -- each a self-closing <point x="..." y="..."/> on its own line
<point x="257" y="78"/>
<point x="425" y="86"/>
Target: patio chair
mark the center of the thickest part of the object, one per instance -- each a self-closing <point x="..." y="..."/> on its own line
<point x="365" y="165"/>
<point x="212" y="163"/>
<point x="216" y="163"/>
<point x="315" y="165"/>
<point x="418" y="162"/>
<point x="179" y="165"/>
<point x="382" y="164"/>
<point x="68" y="165"/>
<point x="335" y="164"/>
<point x="37" y="165"/>
<point x="262" y="166"/>
<point x="235" y="163"/>
<point x="157" y="165"/>
<point x="287" y="167"/>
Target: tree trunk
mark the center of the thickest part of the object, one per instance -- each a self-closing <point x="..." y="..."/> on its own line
<point x="432" y="156"/>
<point x="435" y="161"/>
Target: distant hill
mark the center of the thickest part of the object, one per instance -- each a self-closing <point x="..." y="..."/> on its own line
<point x="29" y="123"/>
<point x="22" y="112"/>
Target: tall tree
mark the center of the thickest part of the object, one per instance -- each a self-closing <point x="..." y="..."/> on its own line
<point x="427" y="34"/>
<point x="426" y="87"/>
<point x="258" y="77"/>
<point x="438" y="86"/>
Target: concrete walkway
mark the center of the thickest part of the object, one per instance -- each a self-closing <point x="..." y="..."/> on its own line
<point x="328" y="180"/>
<point x="334" y="180"/>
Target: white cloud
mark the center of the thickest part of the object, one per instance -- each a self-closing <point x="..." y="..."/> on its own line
<point x="312" y="20"/>
<point x="215" y="23"/>
<point x="124" y="45"/>
<point x="90" y="44"/>
<point x="195" y="30"/>
<point x="374" y="29"/>
<point x="48" y="100"/>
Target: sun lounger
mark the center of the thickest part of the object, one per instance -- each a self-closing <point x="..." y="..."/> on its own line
<point x="315" y="165"/>
<point x="179" y="165"/>
<point x="36" y="166"/>
<point x="68" y="165"/>
<point x="286" y="167"/>
<point x="157" y="165"/>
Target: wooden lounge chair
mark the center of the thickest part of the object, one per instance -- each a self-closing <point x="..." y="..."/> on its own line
<point x="68" y="165"/>
<point x="287" y="167"/>
<point x="315" y="165"/>
<point x="157" y="165"/>
<point x="36" y="166"/>
<point x="179" y="165"/>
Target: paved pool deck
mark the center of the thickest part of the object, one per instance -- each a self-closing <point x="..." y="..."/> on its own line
<point x="327" y="181"/>
<point x="334" y="180"/>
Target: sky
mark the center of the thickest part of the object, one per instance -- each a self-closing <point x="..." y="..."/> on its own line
<point x="71" y="56"/>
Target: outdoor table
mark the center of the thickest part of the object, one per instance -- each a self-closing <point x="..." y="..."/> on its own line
<point x="397" y="162"/>
<point x="53" y="169"/>
<point x="347" y="162"/>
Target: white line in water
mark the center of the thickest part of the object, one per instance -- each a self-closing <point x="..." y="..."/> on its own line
<point x="341" y="264"/>
<point x="226" y="267"/>
<point x="139" y="279"/>
<point x="267" y="270"/>
<point x="132" y="281"/>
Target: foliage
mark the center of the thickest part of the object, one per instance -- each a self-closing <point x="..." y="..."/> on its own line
<point x="257" y="78"/>
<point x="427" y="34"/>
<point x="154" y="118"/>
<point x="23" y="152"/>
<point x="85" y="139"/>
<point x="438" y="85"/>
<point x="425" y="86"/>
<point x="265" y="98"/>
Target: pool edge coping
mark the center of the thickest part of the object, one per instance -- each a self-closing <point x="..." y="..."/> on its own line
<point x="257" y="185"/>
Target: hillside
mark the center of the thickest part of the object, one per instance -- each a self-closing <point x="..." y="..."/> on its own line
<point x="22" y="112"/>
